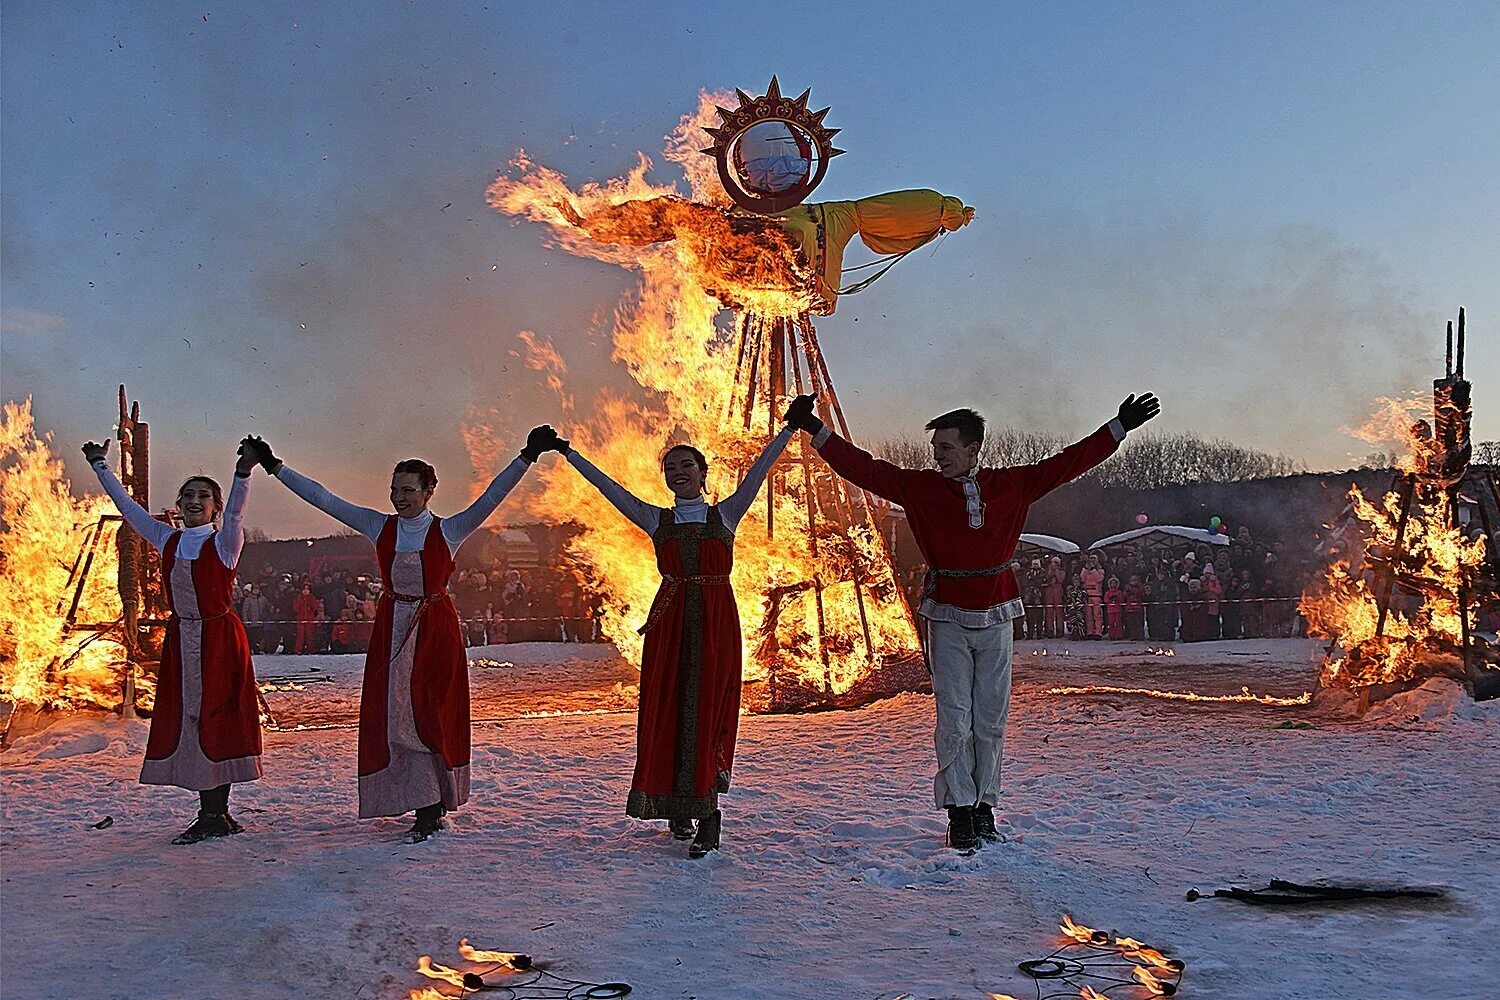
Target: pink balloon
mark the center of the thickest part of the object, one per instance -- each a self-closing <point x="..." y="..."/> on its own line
<point x="1141" y="519"/>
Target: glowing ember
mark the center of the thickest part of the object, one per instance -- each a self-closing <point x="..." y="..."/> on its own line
<point x="1246" y="696"/>
<point x="43" y="661"/>
<point x="1422" y="573"/>
<point x="801" y="611"/>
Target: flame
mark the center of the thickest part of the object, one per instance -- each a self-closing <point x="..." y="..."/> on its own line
<point x="1246" y="696"/>
<point x="1147" y="980"/>
<point x="1435" y="558"/>
<point x="1078" y="932"/>
<point x="427" y="967"/>
<point x="472" y="954"/>
<point x="694" y="258"/>
<point x="43" y="661"/>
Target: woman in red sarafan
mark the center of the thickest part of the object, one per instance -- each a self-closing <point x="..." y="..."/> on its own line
<point x="205" y="728"/>
<point x="692" y="660"/>
<point x="414" y="705"/>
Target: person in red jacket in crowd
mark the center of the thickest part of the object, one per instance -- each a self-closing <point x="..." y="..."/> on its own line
<point x="966" y="521"/>
<point x="306" y="607"/>
<point x="1114" y="609"/>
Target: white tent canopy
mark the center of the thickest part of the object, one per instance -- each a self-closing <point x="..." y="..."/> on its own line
<point x="1049" y="542"/>
<point x="1164" y="536"/>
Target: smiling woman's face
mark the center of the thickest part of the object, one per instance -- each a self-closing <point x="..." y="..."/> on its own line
<point x="196" y="503"/>
<point x="683" y="474"/>
<point x="408" y="496"/>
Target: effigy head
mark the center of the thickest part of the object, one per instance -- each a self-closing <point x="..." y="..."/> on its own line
<point x="771" y="151"/>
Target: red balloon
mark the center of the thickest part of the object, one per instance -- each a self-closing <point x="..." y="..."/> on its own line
<point x="1223" y="529"/>
<point x="1141" y="519"/>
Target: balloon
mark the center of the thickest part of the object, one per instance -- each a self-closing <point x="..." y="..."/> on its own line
<point x="1215" y="520"/>
<point x="1223" y="529"/>
<point x="1141" y="519"/>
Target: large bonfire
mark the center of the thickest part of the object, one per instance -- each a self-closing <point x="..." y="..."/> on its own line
<point x="46" y="536"/>
<point x="1415" y="565"/>
<point x="804" y="615"/>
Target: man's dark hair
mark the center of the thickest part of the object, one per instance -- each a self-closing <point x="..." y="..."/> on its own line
<point x="415" y="466"/>
<point x="969" y="424"/>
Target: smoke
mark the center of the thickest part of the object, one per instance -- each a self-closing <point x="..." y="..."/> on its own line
<point x="1275" y="340"/>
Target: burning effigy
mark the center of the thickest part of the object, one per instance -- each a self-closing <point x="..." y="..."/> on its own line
<point x="823" y="614"/>
<point x="1399" y="603"/>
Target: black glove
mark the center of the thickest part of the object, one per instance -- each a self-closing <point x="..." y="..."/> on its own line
<point x="262" y="453"/>
<point x="95" y="452"/>
<point x="542" y="439"/>
<point x="1134" y="412"/>
<point x="800" y="415"/>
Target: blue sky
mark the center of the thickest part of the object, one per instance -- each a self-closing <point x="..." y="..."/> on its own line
<point x="270" y="218"/>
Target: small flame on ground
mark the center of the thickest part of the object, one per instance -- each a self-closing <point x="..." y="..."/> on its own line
<point x="427" y="967"/>
<point x="1246" y="696"/>
<point x="472" y="954"/>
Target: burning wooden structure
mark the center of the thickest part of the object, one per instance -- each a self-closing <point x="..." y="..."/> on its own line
<point x="1401" y="605"/>
<point x="824" y="618"/>
<point x="81" y="626"/>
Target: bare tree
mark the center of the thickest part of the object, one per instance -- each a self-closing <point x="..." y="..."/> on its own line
<point x="1487" y="453"/>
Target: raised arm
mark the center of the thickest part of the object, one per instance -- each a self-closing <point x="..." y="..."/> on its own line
<point x="463" y="524"/>
<point x="153" y="531"/>
<point x="230" y="538"/>
<point x="362" y="519"/>
<point x="1037" y="480"/>
<point x="737" y="504"/>
<point x="854" y="464"/>
<point x="640" y="513"/>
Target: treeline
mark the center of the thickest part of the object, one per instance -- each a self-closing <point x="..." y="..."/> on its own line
<point x="1146" y="461"/>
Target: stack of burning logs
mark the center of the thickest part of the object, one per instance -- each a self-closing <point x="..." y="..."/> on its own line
<point x="1441" y="483"/>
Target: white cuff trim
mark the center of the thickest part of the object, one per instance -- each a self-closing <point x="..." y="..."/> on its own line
<point x="1117" y="429"/>
<point x="821" y="438"/>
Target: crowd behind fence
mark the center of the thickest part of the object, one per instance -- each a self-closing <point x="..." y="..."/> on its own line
<point x="1244" y="590"/>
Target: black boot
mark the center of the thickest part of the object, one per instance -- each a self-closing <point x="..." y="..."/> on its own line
<point x="682" y="829"/>
<point x="429" y="821"/>
<point x="708" y="835"/>
<point x="961" y="836"/>
<point x="207" y="826"/>
<point x="984" y="823"/>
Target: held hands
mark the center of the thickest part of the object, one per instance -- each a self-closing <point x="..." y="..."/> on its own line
<point x="800" y="415"/>
<point x="541" y="440"/>
<point x="1134" y="412"/>
<point x="95" y="452"/>
<point x="257" y="452"/>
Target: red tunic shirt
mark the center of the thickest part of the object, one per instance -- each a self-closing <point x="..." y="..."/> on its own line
<point x="939" y="514"/>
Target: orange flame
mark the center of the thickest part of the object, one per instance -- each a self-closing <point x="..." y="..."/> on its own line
<point x="42" y="525"/>
<point x="1434" y="558"/>
<point x="1246" y="696"/>
<point x="472" y="954"/>
<point x="427" y="967"/>
<point x="694" y="258"/>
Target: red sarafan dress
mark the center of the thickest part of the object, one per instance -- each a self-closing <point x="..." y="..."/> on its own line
<point x="414" y="706"/>
<point x="205" y="728"/>
<point x="691" y="670"/>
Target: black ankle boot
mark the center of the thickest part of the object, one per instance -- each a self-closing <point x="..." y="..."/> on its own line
<point x="708" y="835"/>
<point x="207" y="826"/>
<point x="984" y="823"/>
<point x="682" y="829"/>
<point x="961" y="836"/>
<point x="429" y="821"/>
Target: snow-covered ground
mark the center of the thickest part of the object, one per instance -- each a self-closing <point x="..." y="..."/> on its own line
<point x="833" y="881"/>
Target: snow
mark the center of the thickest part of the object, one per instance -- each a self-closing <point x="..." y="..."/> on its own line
<point x="833" y="881"/>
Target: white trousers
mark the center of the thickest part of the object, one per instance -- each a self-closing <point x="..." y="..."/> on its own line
<point x="971" y="685"/>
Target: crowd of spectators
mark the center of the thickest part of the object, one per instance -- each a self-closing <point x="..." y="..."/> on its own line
<point x="333" y="611"/>
<point x="1244" y="590"/>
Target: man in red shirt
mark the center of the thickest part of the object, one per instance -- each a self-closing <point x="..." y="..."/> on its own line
<point x="966" y="521"/>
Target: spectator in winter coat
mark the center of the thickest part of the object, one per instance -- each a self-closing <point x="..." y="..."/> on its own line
<point x="1114" y="609"/>
<point x="1212" y="592"/>
<point x="1076" y="601"/>
<point x="1135" y="609"/>
<point x="1092" y="579"/>
<point x="1033" y="595"/>
<point x="307" y="607"/>
<point x="254" y="611"/>
<point x="1052" y="595"/>
<point x="1232" y="611"/>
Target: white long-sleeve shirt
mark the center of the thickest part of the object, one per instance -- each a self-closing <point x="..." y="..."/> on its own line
<point x="688" y="510"/>
<point x="411" y="532"/>
<point x="228" y="542"/>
